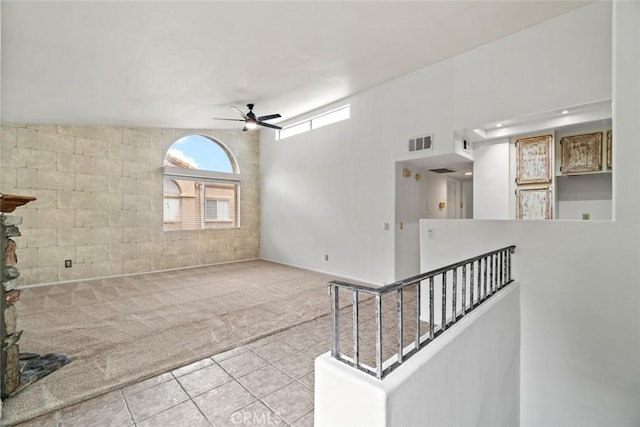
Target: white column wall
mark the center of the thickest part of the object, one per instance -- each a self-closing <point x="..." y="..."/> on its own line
<point x="330" y="191"/>
<point x="491" y="181"/>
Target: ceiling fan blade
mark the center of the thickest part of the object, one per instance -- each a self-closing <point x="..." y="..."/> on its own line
<point x="238" y="110"/>
<point x="233" y="120"/>
<point x="268" y="125"/>
<point x="269" y="117"/>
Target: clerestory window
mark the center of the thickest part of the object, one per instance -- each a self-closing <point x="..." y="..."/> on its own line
<point x="201" y="185"/>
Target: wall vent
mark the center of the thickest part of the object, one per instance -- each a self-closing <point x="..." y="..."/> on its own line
<point x="441" y="170"/>
<point x="421" y="143"/>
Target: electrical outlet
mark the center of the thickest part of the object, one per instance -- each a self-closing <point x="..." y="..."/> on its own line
<point x="326" y="257"/>
<point x="67" y="263"/>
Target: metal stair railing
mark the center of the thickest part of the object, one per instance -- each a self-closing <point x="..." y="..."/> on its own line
<point x="462" y="287"/>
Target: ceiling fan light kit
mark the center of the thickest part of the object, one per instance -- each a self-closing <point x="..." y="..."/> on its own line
<point x="251" y="121"/>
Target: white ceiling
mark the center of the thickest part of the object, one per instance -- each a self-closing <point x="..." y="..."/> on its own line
<point x="179" y="63"/>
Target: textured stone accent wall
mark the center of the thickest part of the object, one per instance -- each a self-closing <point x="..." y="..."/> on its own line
<point x="99" y="201"/>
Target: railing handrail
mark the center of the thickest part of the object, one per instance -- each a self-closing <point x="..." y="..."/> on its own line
<point x="417" y="278"/>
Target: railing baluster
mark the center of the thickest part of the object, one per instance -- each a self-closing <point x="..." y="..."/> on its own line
<point x="444" y="301"/>
<point x="418" y="292"/>
<point x="495" y="275"/>
<point x="502" y="258"/>
<point x="400" y="326"/>
<point x="378" y="336"/>
<point x="454" y="304"/>
<point x="484" y="284"/>
<point x="335" y="327"/>
<point x="464" y="289"/>
<point x="432" y="315"/>
<point x="491" y="275"/>
<point x="479" y="281"/>
<point x="356" y="330"/>
<point x="471" y="287"/>
<point x="504" y="266"/>
<point x="509" y="264"/>
<point x="454" y="312"/>
<point x="499" y="274"/>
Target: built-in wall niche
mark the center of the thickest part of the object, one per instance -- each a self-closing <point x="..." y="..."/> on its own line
<point x="584" y="149"/>
<point x="583" y="181"/>
<point x="581" y="185"/>
<point x="586" y="196"/>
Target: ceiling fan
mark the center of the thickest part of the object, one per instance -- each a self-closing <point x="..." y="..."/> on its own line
<point x="251" y="121"/>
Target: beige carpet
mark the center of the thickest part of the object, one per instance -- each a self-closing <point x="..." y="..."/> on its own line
<point x="120" y="330"/>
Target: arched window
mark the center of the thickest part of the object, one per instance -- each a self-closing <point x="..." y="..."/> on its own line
<point x="201" y="182"/>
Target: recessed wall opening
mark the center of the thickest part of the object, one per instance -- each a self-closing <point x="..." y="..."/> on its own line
<point x="555" y="165"/>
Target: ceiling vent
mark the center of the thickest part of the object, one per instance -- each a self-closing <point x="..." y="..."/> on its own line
<point x="441" y="170"/>
<point x="421" y="143"/>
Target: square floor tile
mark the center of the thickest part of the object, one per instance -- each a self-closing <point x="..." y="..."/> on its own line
<point x="301" y="340"/>
<point x="318" y="349"/>
<point x="192" y="367"/>
<point x="309" y="380"/>
<point x="148" y="383"/>
<point x="184" y="414"/>
<point x="223" y="401"/>
<point x="296" y="365"/>
<point x="205" y="379"/>
<point x="274" y="351"/>
<point x="265" y="380"/>
<point x="155" y="399"/>
<point x="261" y="341"/>
<point x="255" y="414"/>
<point x="304" y="421"/>
<point x="290" y="402"/>
<point x="229" y="353"/>
<point x="243" y="364"/>
<point x="113" y="414"/>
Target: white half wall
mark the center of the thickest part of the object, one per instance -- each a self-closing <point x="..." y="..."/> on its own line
<point x="469" y="376"/>
<point x="579" y="322"/>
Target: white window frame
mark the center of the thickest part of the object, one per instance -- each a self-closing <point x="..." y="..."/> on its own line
<point x="218" y="199"/>
<point x="171" y="172"/>
<point x="315" y="122"/>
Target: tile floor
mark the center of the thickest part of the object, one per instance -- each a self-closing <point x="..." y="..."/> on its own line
<point x="267" y="382"/>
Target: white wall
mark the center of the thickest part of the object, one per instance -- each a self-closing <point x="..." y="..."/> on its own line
<point x="467" y="377"/>
<point x="330" y="191"/>
<point x="562" y="62"/>
<point x="591" y="194"/>
<point x="467" y="191"/>
<point x="410" y="207"/>
<point x="491" y="181"/>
